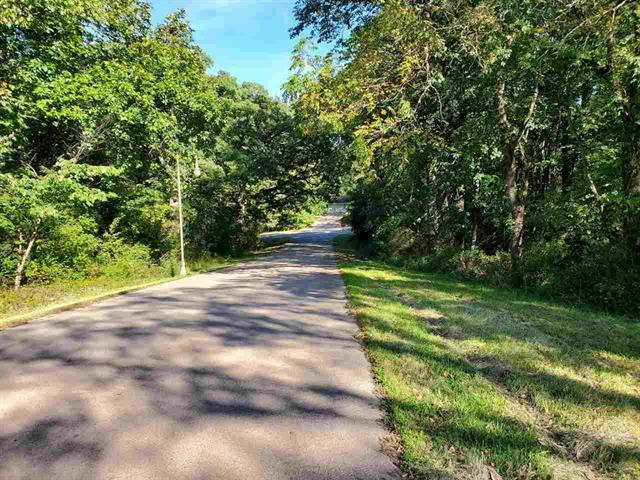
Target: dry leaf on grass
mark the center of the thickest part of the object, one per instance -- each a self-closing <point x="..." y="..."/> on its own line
<point x="493" y="474"/>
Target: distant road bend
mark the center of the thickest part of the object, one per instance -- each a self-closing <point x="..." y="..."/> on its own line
<point x="244" y="374"/>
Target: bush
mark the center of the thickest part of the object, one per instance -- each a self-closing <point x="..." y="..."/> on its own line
<point x="474" y="264"/>
<point x="118" y="259"/>
<point x="69" y="253"/>
<point x="471" y="264"/>
<point x="603" y="275"/>
<point x="146" y="218"/>
<point x="303" y="217"/>
<point x="215" y="221"/>
<point x="367" y="211"/>
<point x="443" y="260"/>
<point x="402" y="241"/>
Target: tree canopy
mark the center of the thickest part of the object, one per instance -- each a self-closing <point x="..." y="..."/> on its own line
<point x="96" y="107"/>
<point x="497" y="138"/>
<point x="485" y="127"/>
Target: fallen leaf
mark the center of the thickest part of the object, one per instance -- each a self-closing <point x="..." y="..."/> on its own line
<point x="493" y="474"/>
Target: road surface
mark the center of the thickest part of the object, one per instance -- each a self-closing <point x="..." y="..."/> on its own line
<point x="249" y="373"/>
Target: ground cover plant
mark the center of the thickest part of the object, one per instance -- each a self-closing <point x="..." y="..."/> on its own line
<point x="479" y="380"/>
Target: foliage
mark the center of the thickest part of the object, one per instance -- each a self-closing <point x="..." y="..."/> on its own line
<point x="304" y="217"/>
<point x="117" y="259"/>
<point x="601" y="275"/>
<point x="97" y="108"/>
<point x="488" y="126"/>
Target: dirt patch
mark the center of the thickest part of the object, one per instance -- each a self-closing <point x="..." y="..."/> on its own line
<point x="490" y="368"/>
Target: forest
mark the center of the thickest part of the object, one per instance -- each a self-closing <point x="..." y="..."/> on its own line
<point x="496" y="139"/>
<point x="494" y="156"/>
<point x="98" y="107"/>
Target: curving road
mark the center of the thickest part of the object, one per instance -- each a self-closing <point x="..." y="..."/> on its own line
<point x="248" y="373"/>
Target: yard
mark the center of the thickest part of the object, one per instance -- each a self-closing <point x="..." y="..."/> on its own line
<point x="482" y="382"/>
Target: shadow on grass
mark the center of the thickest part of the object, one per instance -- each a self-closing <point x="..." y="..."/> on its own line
<point x="479" y="313"/>
<point x="576" y="339"/>
<point x="503" y="440"/>
<point x="458" y="430"/>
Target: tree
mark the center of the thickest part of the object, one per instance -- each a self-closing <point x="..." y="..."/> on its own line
<point x="96" y="102"/>
<point x="501" y="126"/>
<point x="33" y="207"/>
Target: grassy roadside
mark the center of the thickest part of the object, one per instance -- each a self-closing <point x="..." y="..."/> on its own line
<point x="31" y="301"/>
<point x="489" y="383"/>
<point x="307" y="217"/>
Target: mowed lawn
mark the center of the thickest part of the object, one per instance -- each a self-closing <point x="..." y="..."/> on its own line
<point x="488" y="383"/>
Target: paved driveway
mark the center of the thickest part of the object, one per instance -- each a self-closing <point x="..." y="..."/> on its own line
<point x="250" y="373"/>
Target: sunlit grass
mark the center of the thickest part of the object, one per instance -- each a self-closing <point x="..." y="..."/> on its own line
<point x="31" y="299"/>
<point x="476" y="377"/>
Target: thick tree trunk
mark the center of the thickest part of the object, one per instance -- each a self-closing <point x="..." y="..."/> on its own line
<point x="25" y="256"/>
<point x="476" y="219"/>
<point x="518" y="208"/>
<point x="516" y="172"/>
<point x="517" y="237"/>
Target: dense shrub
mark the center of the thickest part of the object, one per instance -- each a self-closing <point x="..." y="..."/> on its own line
<point x="300" y="217"/>
<point x="606" y="276"/>
<point x="117" y="259"/>
<point x="147" y="218"/>
<point x="367" y="211"/>
<point x="70" y="253"/>
<point x="474" y="264"/>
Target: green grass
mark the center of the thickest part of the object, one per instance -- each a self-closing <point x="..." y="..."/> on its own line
<point x="19" y="307"/>
<point x="475" y="377"/>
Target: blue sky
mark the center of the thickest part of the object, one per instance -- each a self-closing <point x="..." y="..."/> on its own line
<point x="247" y="38"/>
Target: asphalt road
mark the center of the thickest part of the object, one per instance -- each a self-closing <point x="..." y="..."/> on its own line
<point x="248" y="373"/>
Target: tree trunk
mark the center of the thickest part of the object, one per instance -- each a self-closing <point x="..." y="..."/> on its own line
<point x="476" y="220"/>
<point x="518" y="209"/>
<point x="515" y="171"/>
<point x="25" y="256"/>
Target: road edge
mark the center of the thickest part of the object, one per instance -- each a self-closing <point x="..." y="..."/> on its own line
<point x="24" y="318"/>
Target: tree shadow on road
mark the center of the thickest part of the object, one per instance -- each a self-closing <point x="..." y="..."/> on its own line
<point x="79" y="387"/>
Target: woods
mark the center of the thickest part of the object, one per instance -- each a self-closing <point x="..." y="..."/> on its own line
<point x="497" y="139"/>
<point x="97" y="106"/>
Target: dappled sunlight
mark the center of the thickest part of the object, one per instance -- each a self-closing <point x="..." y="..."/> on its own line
<point x="256" y="365"/>
<point x="477" y="372"/>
